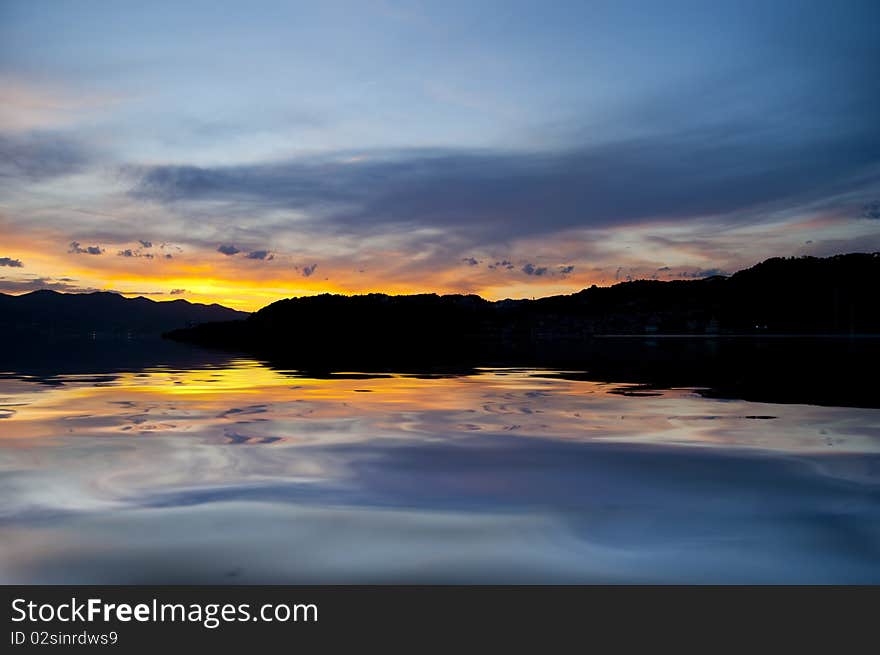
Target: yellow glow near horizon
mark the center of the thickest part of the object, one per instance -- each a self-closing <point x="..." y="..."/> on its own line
<point x="251" y="290"/>
<point x="202" y="274"/>
<point x="206" y="276"/>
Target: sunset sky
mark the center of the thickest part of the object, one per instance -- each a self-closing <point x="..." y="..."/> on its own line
<point x="239" y="152"/>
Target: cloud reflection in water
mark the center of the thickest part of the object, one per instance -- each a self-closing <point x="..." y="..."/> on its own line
<point x="241" y="473"/>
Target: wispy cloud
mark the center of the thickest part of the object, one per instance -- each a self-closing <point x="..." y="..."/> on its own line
<point x="38" y="156"/>
<point x="26" y="106"/>
<point x="724" y="172"/>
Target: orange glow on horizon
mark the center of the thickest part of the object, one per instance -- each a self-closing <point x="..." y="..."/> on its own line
<point x="206" y="277"/>
<point x="202" y="274"/>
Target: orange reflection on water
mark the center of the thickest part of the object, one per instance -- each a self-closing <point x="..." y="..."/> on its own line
<point x="246" y="402"/>
<point x="265" y="476"/>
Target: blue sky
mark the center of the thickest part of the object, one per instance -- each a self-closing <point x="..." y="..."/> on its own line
<point x="389" y="145"/>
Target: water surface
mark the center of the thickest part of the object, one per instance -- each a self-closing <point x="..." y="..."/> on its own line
<point x="230" y="471"/>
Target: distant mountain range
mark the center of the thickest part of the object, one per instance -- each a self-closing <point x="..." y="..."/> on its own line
<point x="49" y="314"/>
<point x="795" y="296"/>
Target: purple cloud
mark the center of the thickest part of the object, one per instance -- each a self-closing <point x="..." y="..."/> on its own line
<point x="531" y="269"/>
<point x="76" y="248"/>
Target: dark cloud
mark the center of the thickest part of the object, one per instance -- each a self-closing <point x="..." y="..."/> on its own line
<point x="731" y="171"/>
<point x="540" y="271"/>
<point x="34" y="284"/>
<point x="733" y="146"/>
<point x="502" y="264"/>
<point x="145" y="244"/>
<point x="871" y="210"/>
<point x="62" y="284"/>
<point x="8" y="261"/>
<point x="260" y="254"/>
<point x="38" y="156"/>
<point x="703" y="272"/>
<point x="177" y="292"/>
<point x="76" y="247"/>
<point x="470" y="261"/>
<point x="531" y="269"/>
<point x="308" y="270"/>
<point x="137" y="252"/>
<point x="228" y="249"/>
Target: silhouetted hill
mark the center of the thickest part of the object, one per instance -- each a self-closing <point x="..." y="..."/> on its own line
<point x="49" y="314"/>
<point x="804" y="296"/>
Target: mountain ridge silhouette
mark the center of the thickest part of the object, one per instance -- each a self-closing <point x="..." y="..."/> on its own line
<point x="794" y="296"/>
<point x="46" y="313"/>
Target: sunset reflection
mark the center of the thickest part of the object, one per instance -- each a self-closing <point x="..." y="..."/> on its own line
<point x="561" y="478"/>
<point x="259" y="404"/>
